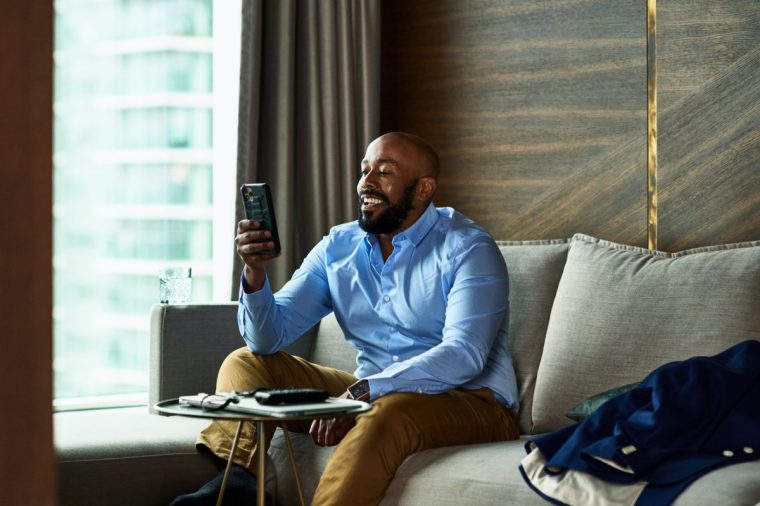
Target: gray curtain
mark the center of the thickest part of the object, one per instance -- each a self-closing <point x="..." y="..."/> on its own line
<point x="309" y="105"/>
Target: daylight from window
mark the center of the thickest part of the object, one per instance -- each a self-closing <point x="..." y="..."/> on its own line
<point x="144" y="161"/>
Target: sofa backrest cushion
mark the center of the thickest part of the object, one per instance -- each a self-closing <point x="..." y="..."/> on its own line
<point x="621" y="311"/>
<point x="331" y="348"/>
<point x="534" y="270"/>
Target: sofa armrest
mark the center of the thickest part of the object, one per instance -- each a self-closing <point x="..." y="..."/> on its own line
<point x="189" y="342"/>
<point x="187" y="345"/>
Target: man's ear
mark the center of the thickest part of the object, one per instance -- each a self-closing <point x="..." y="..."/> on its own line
<point x="426" y="188"/>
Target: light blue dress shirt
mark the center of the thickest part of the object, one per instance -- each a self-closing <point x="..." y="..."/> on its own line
<point x="431" y="318"/>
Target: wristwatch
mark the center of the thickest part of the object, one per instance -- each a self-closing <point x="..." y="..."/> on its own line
<point x="359" y="391"/>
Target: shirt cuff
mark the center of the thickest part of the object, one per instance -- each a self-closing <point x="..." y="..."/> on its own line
<point x="374" y="390"/>
<point x="264" y="293"/>
<point x="384" y="386"/>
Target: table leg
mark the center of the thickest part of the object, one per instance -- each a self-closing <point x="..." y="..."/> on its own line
<point x="229" y="464"/>
<point x="293" y="462"/>
<point x="261" y="450"/>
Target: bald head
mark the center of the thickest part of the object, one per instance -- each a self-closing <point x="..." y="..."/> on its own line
<point x="428" y="164"/>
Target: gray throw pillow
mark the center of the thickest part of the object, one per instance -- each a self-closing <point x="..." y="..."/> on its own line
<point x="621" y="311"/>
<point x="534" y="271"/>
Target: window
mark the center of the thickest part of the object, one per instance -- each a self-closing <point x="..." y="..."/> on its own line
<point x="145" y="121"/>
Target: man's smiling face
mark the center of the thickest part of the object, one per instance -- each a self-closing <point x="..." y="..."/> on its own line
<point x="387" y="186"/>
<point x="389" y="216"/>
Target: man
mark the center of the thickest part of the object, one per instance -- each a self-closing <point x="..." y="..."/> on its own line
<point x="420" y="292"/>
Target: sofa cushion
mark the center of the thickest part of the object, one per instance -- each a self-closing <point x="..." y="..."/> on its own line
<point x="457" y="475"/>
<point x="130" y="457"/>
<point x="621" y="311"/>
<point x="534" y="269"/>
<point x="127" y="456"/>
<point x="444" y="476"/>
<point x="440" y="476"/>
<point x="736" y="484"/>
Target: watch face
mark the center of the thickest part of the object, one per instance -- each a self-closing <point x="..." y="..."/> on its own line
<point x="360" y="390"/>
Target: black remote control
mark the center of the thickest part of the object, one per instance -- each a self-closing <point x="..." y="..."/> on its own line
<point x="290" y="396"/>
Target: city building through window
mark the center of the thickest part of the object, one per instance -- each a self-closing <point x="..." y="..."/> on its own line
<point x="145" y="110"/>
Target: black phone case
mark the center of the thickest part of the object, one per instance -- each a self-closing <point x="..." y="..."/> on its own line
<point x="259" y="206"/>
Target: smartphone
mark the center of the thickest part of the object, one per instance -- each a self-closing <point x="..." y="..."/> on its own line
<point x="259" y="206"/>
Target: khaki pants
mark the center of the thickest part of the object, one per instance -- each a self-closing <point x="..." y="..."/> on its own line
<point x="398" y="424"/>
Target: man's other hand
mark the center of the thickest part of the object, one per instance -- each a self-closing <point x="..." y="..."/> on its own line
<point x="331" y="431"/>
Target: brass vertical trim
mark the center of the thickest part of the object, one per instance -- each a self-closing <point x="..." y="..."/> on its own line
<point x="651" y="125"/>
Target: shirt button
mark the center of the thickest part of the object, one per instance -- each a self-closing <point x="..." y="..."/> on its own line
<point x="395" y="358"/>
<point x="386" y="298"/>
<point x="748" y="450"/>
<point x="728" y="453"/>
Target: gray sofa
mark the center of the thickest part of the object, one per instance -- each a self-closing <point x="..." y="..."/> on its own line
<point x="586" y="315"/>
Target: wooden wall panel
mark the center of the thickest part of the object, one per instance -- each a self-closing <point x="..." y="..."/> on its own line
<point x="709" y="140"/>
<point x="538" y="109"/>
<point x="27" y="458"/>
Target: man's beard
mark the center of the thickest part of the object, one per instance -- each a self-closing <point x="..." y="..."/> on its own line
<point x="393" y="216"/>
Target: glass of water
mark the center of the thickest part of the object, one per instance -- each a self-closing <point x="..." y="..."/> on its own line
<point x="175" y="284"/>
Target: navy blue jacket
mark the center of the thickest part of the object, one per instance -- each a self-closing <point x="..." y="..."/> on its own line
<point x="685" y="419"/>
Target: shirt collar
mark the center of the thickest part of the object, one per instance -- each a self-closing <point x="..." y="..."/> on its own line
<point x="422" y="226"/>
<point x="416" y="232"/>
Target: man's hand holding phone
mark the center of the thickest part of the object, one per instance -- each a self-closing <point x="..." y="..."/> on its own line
<point x="254" y="245"/>
<point x="257" y="240"/>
